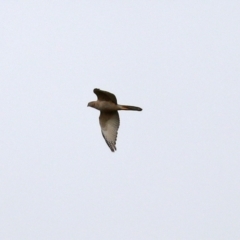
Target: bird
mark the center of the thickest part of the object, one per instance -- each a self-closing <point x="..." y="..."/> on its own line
<point x="109" y="118"/>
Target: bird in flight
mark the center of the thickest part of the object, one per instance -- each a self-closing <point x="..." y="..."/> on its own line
<point x="109" y="118"/>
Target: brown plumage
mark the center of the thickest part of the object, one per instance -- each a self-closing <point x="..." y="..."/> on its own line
<point x="109" y="118"/>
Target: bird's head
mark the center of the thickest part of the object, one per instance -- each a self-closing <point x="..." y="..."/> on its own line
<point x="91" y="104"/>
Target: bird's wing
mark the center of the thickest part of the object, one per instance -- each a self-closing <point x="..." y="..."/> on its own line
<point x="105" y="96"/>
<point x="109" y="122"/>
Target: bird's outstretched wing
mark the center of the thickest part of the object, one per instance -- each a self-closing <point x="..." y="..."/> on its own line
<point x="105" y="96"/>
<point x="109" y="122"/>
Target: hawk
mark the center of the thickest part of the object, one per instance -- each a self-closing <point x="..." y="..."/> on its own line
<point x="109" y="118"/>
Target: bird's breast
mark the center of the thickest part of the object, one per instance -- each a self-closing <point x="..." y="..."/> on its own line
<point x="107" y="106"/>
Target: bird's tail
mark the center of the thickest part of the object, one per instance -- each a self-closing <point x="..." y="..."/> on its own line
<point x="126" y="107"/>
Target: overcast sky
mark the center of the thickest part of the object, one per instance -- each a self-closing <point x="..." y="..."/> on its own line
<point x="176" y="172"/>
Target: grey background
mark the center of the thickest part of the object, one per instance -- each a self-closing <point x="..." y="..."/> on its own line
<point x="175" y="174"/>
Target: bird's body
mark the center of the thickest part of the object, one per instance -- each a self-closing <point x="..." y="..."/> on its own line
<point x="104" y="106"/>
<point x="109" y="118"/>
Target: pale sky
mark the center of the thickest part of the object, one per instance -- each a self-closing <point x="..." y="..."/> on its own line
<point x="176" y="172"/>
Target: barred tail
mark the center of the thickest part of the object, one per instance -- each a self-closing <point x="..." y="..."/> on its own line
<point x="126" y="107"/>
